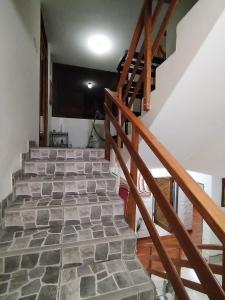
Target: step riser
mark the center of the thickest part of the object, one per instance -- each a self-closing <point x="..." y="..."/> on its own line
<point x="59" y="189"/>
<point x="62" y="216"/>
<point x="87" y="254"/>
<point x="81" y="154"/>
<point x="65" y="168"/>
<point x="69" y="256"/>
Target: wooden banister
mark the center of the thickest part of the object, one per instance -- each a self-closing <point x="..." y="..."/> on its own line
<point x="141" y="63"/>
<point x="167" y="262"/>
<point x="146" y="22"/>
<point x="205" y="206"/>
<point x="203" y="203"/>
<point x="131" y="51"/>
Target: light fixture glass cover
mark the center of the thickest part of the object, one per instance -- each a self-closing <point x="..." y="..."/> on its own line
<point x="90" y="85"/>
<point x="99" y="44"/>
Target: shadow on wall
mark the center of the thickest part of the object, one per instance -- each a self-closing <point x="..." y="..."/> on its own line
<point x="182" y="9"/>
<point x="26" y="11"/>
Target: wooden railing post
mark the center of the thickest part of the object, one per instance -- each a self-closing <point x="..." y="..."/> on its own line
<point x="148" y="55"/>
<point x="131" y="204"/>
<point x="107" y="126"/>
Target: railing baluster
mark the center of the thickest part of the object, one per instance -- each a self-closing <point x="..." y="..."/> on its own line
<point x="107" y="126"/>
<point x="131" y="204"/>
<point x="131" y="51"/>
<point x="148" y="56"/>
<point x="164" y="25"/>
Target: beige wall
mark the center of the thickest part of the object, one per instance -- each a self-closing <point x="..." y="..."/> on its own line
<point x="19" y="83"/>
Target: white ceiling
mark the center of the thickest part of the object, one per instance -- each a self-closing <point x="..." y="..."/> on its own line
<point x="70" y="23"/>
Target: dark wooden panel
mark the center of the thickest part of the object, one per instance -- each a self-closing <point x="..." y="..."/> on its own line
<point x="71" y="96"/>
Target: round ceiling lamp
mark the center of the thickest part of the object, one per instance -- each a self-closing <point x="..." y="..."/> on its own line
<point x="99" y="44"/>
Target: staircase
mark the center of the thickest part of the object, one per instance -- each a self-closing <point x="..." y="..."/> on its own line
<point x="65" y="236"/>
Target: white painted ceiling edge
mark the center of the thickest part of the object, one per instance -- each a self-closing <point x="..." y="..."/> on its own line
<point x="193" y="113"/>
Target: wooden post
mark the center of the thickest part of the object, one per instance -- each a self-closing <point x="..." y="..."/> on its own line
<point x="131" y="204"/>
<point x="148" y="55"/>
<point x="107" y="126"/>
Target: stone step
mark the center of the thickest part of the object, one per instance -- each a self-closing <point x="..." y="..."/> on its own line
<point x="60" y="186"/>
<point x="85" y="243"/>
<point x="67" y="153"/>
<point x="117" y="279"/>
<point x="37" y="167"/>
<point x="28" y="213"/>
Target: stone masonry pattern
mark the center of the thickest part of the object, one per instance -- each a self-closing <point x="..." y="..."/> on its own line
<point x="64" y="236"/>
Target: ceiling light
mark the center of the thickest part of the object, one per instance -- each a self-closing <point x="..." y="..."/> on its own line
<point x="90" y="85"/>
<point x="99" y="44"/>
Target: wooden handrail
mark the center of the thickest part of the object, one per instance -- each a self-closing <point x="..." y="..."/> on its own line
<point x="203" y="203"/>
<point x="214" y="217"/>
<point x="167" y="262"/>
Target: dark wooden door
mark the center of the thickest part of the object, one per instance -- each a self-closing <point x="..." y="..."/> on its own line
<point x="43" y="120"/>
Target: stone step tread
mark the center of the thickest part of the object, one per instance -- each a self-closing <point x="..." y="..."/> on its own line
<point x="16" y="240"/>
<point x="40" y="281"/>
<point x="59" y="186"/>
<point x="66" y="160"/>
<point x="64" y="148"/>
<point x="24" y="203"/>
<point x="84" y="153"/>
<point x="47" y="178"/>
<point x="52" y="167"/>
<point x="57" y="212"/>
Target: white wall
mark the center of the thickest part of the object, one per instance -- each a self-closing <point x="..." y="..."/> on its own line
<point x="190" y="88"/>
<point x="183" y="6"/>
<point x="79" y="129"/>
<point x="19" y="83"/>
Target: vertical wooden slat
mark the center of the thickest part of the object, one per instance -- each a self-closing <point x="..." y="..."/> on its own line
<point x="164" y="25"/>
<point x="107" y="126"/>
<point x="131" y="51"/>
<point x="148" y="55"/>
<point x="131" y="204"/>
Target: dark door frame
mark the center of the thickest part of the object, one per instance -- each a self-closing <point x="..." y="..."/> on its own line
<point x="43" y="120"/>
